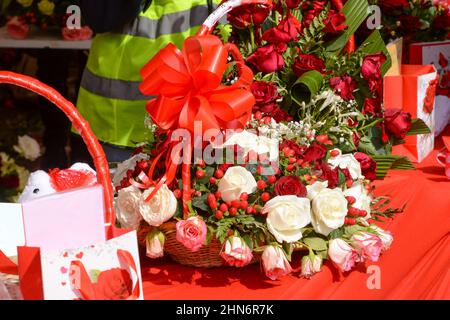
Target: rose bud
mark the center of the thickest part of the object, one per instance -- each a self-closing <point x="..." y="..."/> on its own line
<point x="236" y="252"/>
<point x="275" y="263"/>
<point x="397" y="122"/>
<point x="155" y="244"/>
<point x="311" y="266"/>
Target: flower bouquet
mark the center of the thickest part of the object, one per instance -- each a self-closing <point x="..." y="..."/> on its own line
<point x="415" y="21"/>
<point x="44" y="14"/>
<point x="265" y="145"/>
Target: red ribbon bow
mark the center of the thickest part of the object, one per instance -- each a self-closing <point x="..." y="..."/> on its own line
<point x="188" y="87"/>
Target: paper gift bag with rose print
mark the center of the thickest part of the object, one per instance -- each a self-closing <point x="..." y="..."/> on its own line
<point x="414" y="91"/>
<point x="438" y="54"/>
<point x="108" y="270"/>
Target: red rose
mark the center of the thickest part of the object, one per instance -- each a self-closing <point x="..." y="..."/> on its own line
<point x="314" y="153"/>
<point x="397" y="122"/>
<point x="344" y="86"/>
<point x="247" y="15"/>
<point x="368" y="165"/>
<point x="329" y="175"/>
<point x="371" y="106"/>
<point x="334" y="23"/>
<point x="113" y="284"/>
<point x="84" y="33"/>
<point x="269" y="58"/>
<point x="264" y="92"/>
<point x="388" y="5"/>
<point x="289" y="185"/>
<point x="308" y="17"/>
<point x="371" y="66"/>
<point x="298" y="150"/>
<point x="409" y="24"/>
<point x="280" y="115"/>
<point x="17" y="28"/>
<point x="442" y="21"/>
<point x="287" y="30"/>
<point x="307" y="62"/>
<point x="292" y="4"/>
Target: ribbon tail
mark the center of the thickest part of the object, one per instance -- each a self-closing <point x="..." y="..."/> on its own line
<point x="186" y="178"/>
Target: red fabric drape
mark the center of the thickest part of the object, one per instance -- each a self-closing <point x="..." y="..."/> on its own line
<point x="416" y="266"/>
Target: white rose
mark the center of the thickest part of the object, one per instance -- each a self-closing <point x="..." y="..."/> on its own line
<point x="286" y="215"/>
<point x="362" y="196"/>
<point x="28" y="147"/>
<point x="249" y="141"/>
<point x="127" y="205"/>
<point x="346" y="161"/>
<point x="329" y="208"/>
<point x="160" y="208"/>
<point x="236" y="181"/>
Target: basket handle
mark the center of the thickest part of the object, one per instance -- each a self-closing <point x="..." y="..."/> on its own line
<point x="82" y="126"/>
<point x="227" y="6"/>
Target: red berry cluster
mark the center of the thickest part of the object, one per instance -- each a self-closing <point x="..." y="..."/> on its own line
<point x="353" y="213"/>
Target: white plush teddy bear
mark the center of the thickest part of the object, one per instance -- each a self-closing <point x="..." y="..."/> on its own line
<point x="41" y="183"/>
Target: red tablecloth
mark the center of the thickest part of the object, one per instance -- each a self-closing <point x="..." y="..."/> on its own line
<point x="416" y="267"/>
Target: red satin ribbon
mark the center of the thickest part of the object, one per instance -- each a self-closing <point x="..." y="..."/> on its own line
<point x="82" y="284"/>
<point x="188" y="87"/>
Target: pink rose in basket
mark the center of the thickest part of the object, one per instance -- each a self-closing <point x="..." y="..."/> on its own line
<point x="368" y="245"/>
<point x="275" y="263"/>
<point x="83" y="33"/>
<point x="17" y="28"/>
<point x="342" y="254"/>
<point x="192" y="233"/>
<point x="236" y="253"/>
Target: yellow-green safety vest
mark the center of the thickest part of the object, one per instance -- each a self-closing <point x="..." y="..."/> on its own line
<point x="109" y="97"/>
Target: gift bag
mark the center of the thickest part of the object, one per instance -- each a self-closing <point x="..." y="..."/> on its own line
<point x="72" y="249"/>
<point x="413" y="91"/>
<point x="437" y="54"/>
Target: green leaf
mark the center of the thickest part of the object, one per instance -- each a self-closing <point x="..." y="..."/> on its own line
<point x="355" y="11"/>
<point x="389" y="162"/>
<point x="200" y="202"/>
<point x="374" y="44"/>
<point x="418" y="127"/>
<point x="351" y="230"/>
<point x="338" y="233"/>
<point x="317" y="244"/>
<point x="306" y="86"/>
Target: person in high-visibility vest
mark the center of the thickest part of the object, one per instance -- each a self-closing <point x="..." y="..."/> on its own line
<point x="109" y="98"/>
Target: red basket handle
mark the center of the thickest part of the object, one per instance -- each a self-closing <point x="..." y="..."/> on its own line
<point x="82" y="126"/>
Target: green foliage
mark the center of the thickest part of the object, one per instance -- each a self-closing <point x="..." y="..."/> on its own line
<point x="388" y="162"/>
<point x="355" y="11"/>
<point x="306" y="86"/>
<point x="418" y="127"/>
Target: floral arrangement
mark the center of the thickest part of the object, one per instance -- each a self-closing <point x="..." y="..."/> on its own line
<point x="307" y="68"/>
<point x="297" y="173"/>
<point x="44" y="14"/>
<point x="415" y="20"/>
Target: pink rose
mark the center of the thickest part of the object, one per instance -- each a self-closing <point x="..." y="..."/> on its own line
<point x="385" y="236"/>
<point x="192" y="233"/>
<point x="368" y="245"/>
<point x="275" y="263"/>
<point x="342" y="254"/>
<point x="311" y="266"/>
<point x="236" y="253"/>
<point x="17" y="28"/>
<point x="84" y="33"/>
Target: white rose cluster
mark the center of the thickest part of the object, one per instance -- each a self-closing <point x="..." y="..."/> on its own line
<point x="28" y="148"/>
<point x="132" y="207"/>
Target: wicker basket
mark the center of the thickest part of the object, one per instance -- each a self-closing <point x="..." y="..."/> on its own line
<point x="207" y="257"/>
